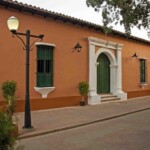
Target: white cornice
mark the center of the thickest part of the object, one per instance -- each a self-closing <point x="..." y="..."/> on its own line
<point x="104" y="43"/>
<point x="47" y="44"/>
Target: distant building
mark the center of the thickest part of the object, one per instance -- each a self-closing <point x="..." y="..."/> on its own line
<point x="111" y="63"/>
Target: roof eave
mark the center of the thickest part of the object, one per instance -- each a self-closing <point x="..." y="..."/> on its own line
<point x="58" y="16"/>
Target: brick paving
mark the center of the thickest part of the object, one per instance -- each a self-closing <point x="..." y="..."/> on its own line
<point x="54" y="120"/>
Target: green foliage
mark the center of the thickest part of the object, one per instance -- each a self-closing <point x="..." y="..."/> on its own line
<point x="7" y="142"/>
<point x="129" y="13"/>
<point x="107" y="30"/>
<point x="83" y="88"/>
<point x="8" y="90"/>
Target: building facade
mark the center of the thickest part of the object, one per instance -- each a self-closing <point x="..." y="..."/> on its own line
<point x="105" y="61"/>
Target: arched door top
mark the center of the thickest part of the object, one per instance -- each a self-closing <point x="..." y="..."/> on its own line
<point x="108" y="53"/>
<point x="103" y="74"/>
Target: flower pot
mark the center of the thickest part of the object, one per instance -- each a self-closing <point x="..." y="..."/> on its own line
<point x="82" y="103"/>
<point x="14" y="132"/>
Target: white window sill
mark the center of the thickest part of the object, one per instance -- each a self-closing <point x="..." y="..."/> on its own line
<point x="143" y="85"/>
<point x="44" y="91"/>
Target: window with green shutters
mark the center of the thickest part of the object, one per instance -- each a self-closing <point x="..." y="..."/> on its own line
<point x="142" y="71"/>
<point x="44" y="66"/>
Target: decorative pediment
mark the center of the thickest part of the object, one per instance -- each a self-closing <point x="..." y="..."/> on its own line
<point x="105" y="44"/>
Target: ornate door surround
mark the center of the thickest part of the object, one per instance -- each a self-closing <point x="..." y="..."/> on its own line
<point x="107" y="48"/>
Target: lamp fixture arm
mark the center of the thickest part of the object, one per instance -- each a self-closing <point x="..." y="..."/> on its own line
<point x="40" y="36"/>
<point x="21" y="40"/>
<point x="34" y="42"/>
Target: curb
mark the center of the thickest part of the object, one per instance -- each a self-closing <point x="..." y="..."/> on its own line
<point x="81" y="125"/>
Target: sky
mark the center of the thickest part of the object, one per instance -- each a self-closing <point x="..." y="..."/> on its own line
<point x="79" y="9"/>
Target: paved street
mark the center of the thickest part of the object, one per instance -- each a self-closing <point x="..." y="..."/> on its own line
<point x="130" y="132"/>
<point x="52" y="120"/>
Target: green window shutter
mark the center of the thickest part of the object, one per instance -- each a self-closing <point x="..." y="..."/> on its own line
<point x="142" y="70"/>
<point x="44" y="66"/>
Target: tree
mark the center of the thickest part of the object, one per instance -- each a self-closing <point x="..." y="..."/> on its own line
<point x="129" y="13"/>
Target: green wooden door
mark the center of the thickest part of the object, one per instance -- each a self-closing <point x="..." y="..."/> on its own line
<point x="103" y="74"/>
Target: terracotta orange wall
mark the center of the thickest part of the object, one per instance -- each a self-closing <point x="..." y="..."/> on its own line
<point x="131" y="67"/>
<point x="69" y="68"/>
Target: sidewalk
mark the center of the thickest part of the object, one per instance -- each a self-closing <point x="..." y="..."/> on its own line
<point x="54" y="120"/>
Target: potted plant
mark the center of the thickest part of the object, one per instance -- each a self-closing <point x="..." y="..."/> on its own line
<point x="6" y="126"/>
<point x="8" y="91"/>
<point x="7" y="140"/>
<point x="83" y="89"/>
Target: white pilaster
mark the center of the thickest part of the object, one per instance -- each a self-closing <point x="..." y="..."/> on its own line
<point x="119" y="91"/>
<point x="93" y="97"/>
<point x="119" y="71"/>
<point x="113" y="78"/>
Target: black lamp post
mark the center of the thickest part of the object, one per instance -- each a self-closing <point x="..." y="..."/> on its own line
<point x="13" y="24"/>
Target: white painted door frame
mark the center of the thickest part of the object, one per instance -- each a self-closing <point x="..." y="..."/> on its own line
<point x="106" y="47"/>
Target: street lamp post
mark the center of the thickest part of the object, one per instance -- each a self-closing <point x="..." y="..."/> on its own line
<point x="13" y="24"/>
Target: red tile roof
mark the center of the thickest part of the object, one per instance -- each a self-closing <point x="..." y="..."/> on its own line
<point x="58" y="16"/>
